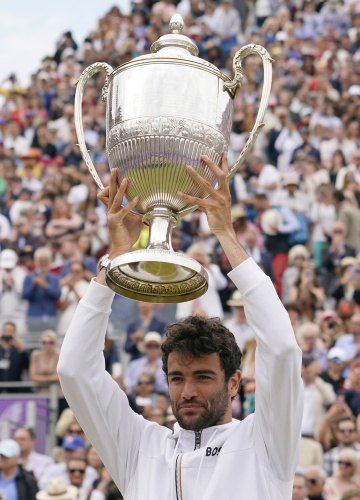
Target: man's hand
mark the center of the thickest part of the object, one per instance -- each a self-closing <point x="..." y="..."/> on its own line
<point x="217" y="208"/>
<point x="124" y="227"/>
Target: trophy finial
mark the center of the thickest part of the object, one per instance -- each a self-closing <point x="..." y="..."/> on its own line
<point x="176" y="24"/>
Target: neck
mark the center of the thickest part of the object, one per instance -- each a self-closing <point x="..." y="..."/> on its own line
<point x="24" y="455"/>
<point x="8" y="474"/>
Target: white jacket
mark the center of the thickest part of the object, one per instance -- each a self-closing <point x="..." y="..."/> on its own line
<point x="254" y="459"/>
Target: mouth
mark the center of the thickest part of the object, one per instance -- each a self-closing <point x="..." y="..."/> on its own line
<point x="189" y="407"/>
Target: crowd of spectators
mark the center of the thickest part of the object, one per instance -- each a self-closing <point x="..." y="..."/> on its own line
<point x="295" y="210"/>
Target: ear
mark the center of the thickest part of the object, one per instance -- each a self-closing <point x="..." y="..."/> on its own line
<point x="233" y="383"/>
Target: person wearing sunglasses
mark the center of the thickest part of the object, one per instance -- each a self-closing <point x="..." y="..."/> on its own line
<point x="315" y="476"/>
<point x="344" y="477"/>
<point x="346" y="436"/>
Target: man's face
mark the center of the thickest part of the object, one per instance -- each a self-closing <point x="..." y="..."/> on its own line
<point x="7" y="464"/>
<point x="24" y="440"/>
<point x="309" y="339"/>
<point x="309" y="372"/>
<point x="346" y="433"/>
<point x="299" y="488"/>
<point x="152" y="350"/>
<point x="76" y="472"/>
<point x="355" y="324"/>
<point x="199" y="395"/>
<point x="315" y="483"/>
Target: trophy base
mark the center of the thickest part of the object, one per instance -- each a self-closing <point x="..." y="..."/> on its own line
<point x="158" y="276"/>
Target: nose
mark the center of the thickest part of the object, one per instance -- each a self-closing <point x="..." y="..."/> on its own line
<point x="189" y="390"/>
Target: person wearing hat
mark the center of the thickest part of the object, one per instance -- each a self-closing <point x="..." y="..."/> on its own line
<point x="149" y="364"/>
<point x="14" y="360"/>
<point x="291" y="195"/>
<point x="72" y="447"/>
<point x="348" y="285"/>
<point x="209" y="455"/>
<point x="15" y="482"/>
<point x="333" y="375"/>
<point x="298" y="255"/>
<point x="57" y="489"/>
<point x="237" y="324"/>
<point x="12" y="305"/>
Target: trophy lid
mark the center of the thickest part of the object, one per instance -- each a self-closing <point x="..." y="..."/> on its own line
<point x="175" y="38"/>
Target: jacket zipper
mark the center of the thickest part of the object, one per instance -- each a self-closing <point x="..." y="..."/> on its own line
<point x="197" y="439"/>
<point x="178" y="488"/>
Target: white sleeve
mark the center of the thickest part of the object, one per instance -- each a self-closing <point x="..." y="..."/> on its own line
<point x="279" y="389"/>
<point x="98" y="403"/>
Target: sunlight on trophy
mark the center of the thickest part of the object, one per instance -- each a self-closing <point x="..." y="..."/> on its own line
<point x="165" y="110"/>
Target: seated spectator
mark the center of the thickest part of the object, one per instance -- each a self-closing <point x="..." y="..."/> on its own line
<point x="157" y="415"/>
<point x="12" y="305"/>
<point x="208" y="304"/>
<point x="348" y="284"/>
<point x="307" y="292"/>
<point x="73" y="288"/>
<point x="137" y="329"/>
<point x="298" y="255"/>
<point x="29" y="459"/>
<point x="63" y="220"/>
<point x="315" y="476"/>
<point x="318" y="395"/>
<point x="41" y="290"/>
<point x="150" y="364"/>
<point x="14" y="360"/>
<point x="344" y="477"/>
<point x="15" y="482"/>
<point x="300" y="489"/>
<point x="308" y="336"/>
<point x="72" y="447"/>
<point x="345" y="433"/>
<point x="336" y="362"/>
<point x="322" y="215"/>
<point x="350" y="342"/>
<point x="237" y="324"/>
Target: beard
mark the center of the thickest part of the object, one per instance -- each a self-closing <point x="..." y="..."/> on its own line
<point x="211" y="415"/>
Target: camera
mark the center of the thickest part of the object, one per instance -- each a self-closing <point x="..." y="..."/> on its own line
<point x="7" y="338"/>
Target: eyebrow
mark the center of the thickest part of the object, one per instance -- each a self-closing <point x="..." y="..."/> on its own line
<point x="196" y="372"/>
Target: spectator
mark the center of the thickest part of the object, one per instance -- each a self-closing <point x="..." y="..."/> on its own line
<point x="41" y="290"/>
<point x="318" y="396"/>
<point x="137" y="329"/>
<point x="72" y="447"/>
<point x="349" y="215"/>
<point x="298" y="254"/>
<point x="268" y="177"/>
<point x="308" y="337"/>
<point x="29" y="459"/>
<point x="238" y="324"/>
<point x="336" y="362"/>
<point x="14" y="359"/>
<point x="150" y="364"/>
<point x="15" y="482"/>
<point x="345" y="433"/>
<point x="344" y="477"/>
<point x="57" y="489"/>
<point x="315" y="477"/>
<point x="300" y="489"/>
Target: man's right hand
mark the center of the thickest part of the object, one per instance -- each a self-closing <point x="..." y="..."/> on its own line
<point x="124" y="226"/>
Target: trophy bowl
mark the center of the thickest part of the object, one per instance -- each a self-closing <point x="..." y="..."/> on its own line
<point x="165" y="110"/>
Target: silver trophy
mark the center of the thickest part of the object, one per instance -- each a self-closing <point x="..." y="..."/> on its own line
<point x="165" y="110"/>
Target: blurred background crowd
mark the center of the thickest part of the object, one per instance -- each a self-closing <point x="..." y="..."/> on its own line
<point x="295" y="210"/>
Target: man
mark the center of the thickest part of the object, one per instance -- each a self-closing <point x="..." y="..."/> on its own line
<point x="15" y="482"/>
<point x="309" y="338"/>
<point x="300" y="487"/>
<point x="72" y="447"/>
<point x="135" y="331"/>
<point x="14" y="360"/>
<point x="209" y="455"/>
<point x="42" y="290"/>
<point x="350" y="342"/>
<point x="315" y="479"/>
<point x="336" y="359"/>
<point x="238" y="324"/>
<point x="150" y="364"/>
<point x="29" y="459"/>
<point x="76" y="469"/>
<point x="345" y="434"/>
<point x="268" y="176"/>
<point x="318" y="395"/>
<point x="348" y="214"/>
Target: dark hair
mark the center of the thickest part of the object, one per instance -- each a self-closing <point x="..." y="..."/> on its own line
<point x="196" y="335"/>
<point x="29" y="430"/>
<point x="338" y="195"/>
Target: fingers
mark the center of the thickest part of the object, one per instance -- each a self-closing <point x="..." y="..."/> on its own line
<point x="113" y="186"/>
<point x="103" y="196"/>
<point x="219" y="172"/>
<point x="130" y="206"/>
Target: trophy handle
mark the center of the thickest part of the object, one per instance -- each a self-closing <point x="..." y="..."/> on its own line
<point x="234" y="86"/>
<point x="80" y="84"/>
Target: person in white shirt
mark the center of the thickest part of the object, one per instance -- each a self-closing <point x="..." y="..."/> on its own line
<point x="268" y="180"/>
<point x="208" y="455"/>
<point x="29" y="459"/>
<point x="237" y="324"/>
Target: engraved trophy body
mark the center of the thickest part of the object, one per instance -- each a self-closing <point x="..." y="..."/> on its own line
<point x="165" y="110"/>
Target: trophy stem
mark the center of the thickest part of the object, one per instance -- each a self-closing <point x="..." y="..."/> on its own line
<point x="161" y="224"/>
